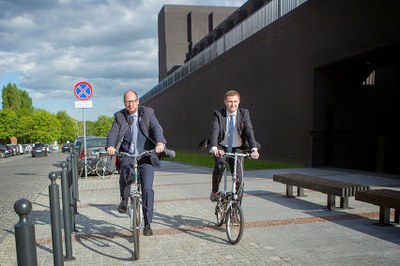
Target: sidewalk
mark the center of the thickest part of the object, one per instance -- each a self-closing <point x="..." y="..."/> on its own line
<point x="278" y="230"/>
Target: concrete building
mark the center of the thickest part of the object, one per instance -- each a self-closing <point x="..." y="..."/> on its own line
<point x="180" y="27"/>
<point x="320" y="79"/>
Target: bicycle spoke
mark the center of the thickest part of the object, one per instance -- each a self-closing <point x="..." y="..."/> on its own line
<point x="101" y="169"/>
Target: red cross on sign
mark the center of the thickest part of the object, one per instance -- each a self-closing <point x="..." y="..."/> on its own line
<point x="83" y="90"/>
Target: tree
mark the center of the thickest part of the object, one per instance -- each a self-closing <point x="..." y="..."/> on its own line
<point x="46" y="127"/>
<point x="15" y="98"/>
<point x="8" y="120"/>
<point x="102" y="125"/>
<point x="69" y="127"/>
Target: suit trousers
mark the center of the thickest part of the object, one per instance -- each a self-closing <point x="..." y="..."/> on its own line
<point x="146" y="173"/>
<point x="219" y="168"/>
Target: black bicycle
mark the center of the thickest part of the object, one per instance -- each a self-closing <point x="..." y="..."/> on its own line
<point x="228" y="209"/>
<point x="135" y="204"/>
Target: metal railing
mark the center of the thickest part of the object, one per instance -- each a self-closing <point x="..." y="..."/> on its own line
<point x="257" y="21"/>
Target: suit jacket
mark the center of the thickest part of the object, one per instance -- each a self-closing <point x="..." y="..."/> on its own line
<point x="243" y="125"/>
<point x="148" y="125"/>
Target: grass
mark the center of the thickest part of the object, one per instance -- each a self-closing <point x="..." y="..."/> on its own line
<point x="206" y="160"/>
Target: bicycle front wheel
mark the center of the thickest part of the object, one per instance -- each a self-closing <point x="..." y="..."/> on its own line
<point x="136" y="227"/>
<point x="101" y="169"/>
<point x="234" y="223"/>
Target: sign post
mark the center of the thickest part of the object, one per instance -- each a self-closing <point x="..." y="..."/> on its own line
<point x="83" y="91"/>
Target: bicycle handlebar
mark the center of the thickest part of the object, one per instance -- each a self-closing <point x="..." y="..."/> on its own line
<point x="238" y="154"/>
<point x="166" y="153"/>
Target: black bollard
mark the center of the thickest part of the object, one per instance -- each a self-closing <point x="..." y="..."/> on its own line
<point x="75" y="177"/>
<point x="25" y="239"/>
<point x="66" y="212"/>
<point x="71" y="193"/>
<point x="55" y="215"/>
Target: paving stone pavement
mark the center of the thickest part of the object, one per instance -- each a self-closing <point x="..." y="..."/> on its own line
<point x="278" y="230"/>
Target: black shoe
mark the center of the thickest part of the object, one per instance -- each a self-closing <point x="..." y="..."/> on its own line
<point x="122" y="206"/>
<point x="214" y="196"/>
<point x="147" y="230"/>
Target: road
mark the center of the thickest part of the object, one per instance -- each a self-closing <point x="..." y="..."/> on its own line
<point x="23" y="177"/>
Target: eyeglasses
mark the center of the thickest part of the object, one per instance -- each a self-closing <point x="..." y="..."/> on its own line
<point x="130" y="102"/>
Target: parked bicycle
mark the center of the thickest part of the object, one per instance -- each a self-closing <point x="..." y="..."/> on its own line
<point x="228" y="209"/>
<point x="96" y="166"/>
<point x="135" y="204"/>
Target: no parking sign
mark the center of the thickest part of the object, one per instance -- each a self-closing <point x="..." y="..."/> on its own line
<point x="83" y="90"/>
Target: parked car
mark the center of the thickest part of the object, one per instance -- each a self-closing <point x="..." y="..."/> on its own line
<point x="4" y="152"/>
<point x="12" y="150"/>
<point x="66" y="147"/>
<point x="94" y="145"/>
<point x="39" y="149"/>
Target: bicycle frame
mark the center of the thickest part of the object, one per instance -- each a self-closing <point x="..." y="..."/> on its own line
<point x="228" y="208"/>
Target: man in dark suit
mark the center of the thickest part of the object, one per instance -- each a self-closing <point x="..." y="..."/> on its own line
<point x="136" y="129"/>
<point x="231" y="129"/>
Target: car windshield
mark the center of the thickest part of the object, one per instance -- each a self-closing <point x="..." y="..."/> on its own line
<point x="39" y="145"/>
<point x="96" y="142"/>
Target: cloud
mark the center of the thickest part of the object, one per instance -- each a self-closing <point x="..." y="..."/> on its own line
<point x="47" y="46"/>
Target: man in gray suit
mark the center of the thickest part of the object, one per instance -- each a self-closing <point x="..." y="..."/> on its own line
<point x="231" y="130"/>
<point x="136" y="129"/>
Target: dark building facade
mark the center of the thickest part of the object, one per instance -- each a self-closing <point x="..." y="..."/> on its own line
<point x="320" y="81"/>
<point x="180" y="27"/>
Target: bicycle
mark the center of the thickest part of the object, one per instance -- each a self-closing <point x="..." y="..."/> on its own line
<point x="94" y="166"/>
<point x="135" y="204"/>
<point x="228" y="209"/>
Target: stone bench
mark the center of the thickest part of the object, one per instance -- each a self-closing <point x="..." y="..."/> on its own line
<point x="332" y="188"/>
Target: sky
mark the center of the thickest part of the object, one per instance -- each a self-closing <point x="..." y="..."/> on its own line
<point x="48" y="46"/>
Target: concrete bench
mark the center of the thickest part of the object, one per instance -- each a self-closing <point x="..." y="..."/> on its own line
<point x="385" y="199"/>
<point x="332" y="188"/>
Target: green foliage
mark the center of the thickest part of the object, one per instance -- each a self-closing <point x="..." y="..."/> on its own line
<point x="102" y="125"/>
<point x="46" y="127"/>
<point x="207" y="160"/>
<point x="7" y="123"/>
<point x="15" y="98"/>
<point x="69" y="127"/>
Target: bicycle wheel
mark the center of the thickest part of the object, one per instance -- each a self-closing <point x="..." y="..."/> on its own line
<point x="81" y="168"/>
<point x="219" y="212"/>
<point x="234" y="223"/>
<point x="136" y="227"/>
<point x="101" y="169"/>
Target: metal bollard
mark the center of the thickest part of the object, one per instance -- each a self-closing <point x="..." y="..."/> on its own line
<point x="71" y="194"/>
<point x="75" y="176"/>
<point x="25" y="234"/>
<point x="66" y="212"/>
<point x="55" y="215"/>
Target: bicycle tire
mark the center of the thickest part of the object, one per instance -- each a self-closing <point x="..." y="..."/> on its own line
<point x="101" y="170"/>
<point x="136" y="227"/>
<point x="219" y="212"/>
<point x="234" y="223"/>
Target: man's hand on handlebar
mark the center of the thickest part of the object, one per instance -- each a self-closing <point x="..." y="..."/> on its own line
<point x="254" y="155"/>
<point x="111" y="150"/>
<point x="159" y="147"/>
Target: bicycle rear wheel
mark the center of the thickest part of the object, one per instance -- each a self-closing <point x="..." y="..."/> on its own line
<point x="136" y="227"/>
<point x="234" y="223"/>
<point x="101" y="169"/>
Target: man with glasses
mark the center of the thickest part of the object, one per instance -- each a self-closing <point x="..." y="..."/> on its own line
<point x="136" y="129"/>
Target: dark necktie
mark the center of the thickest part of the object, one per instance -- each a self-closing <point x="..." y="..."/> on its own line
<point x="231" y="132"/>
